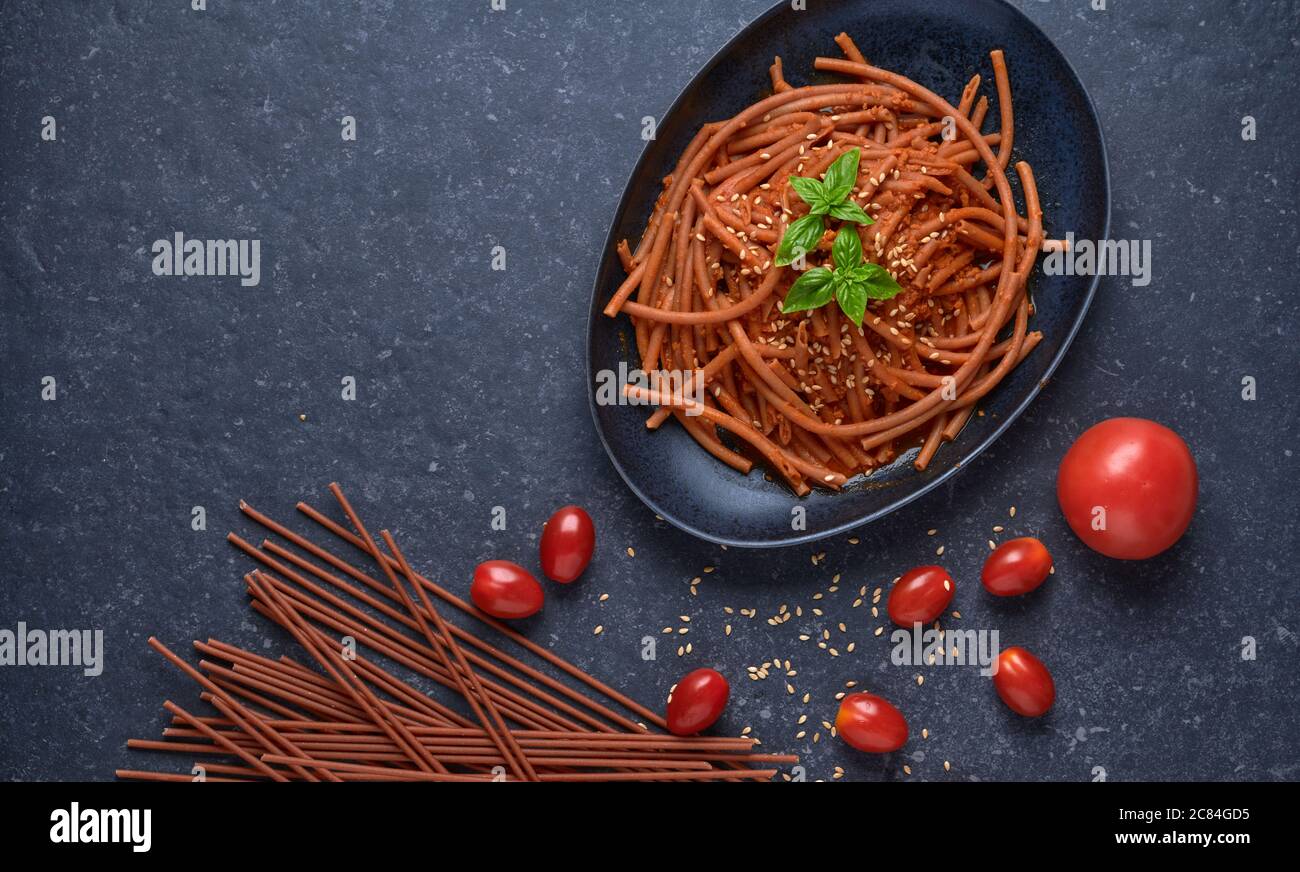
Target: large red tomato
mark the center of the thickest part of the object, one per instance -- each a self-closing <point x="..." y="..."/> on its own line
<point x="1128" y="488"/>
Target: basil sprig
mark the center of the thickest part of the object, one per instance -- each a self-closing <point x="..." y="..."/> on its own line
<point x="851" y="283"/>
<point x="826" y="196"/>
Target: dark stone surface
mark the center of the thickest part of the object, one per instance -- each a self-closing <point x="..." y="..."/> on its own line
<point x="518" y="128"/>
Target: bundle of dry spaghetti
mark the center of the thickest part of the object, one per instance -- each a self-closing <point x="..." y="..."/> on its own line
<point x="817" y="398"/>
<point x="353" y="717"/>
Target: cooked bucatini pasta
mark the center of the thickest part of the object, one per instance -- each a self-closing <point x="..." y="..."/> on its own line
<point x="897" y="207"/>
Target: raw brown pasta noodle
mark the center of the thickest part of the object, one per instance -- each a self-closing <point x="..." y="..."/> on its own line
<point x="813" y="397"/>
<point x="280" y="720"/>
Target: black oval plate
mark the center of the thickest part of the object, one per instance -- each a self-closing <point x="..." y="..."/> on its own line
<point x="939" y="45"/>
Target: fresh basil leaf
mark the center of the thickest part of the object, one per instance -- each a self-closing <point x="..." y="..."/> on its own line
<point x="850" y="211"/>
<point x="847" y="250"/>
<point x="811" y="290"/>
<point x="801" y="237"/>
<point x="812" y="192"/>
<point x="842" y="175"/>
<point x="852" y="297"/>
<point x="878" y="283"/>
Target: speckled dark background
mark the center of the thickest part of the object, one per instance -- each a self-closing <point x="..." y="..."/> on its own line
<point x="518" y="128"/>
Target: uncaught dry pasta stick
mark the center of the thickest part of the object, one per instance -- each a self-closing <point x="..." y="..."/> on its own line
<point x="359" y="721"/>
<point x="391" y="637"/>
<point x="514" y="636"/>
<point x="467" y="684"/>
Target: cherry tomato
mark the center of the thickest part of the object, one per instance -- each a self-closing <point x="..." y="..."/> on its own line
<point x="505" y="590"/>
<point x="920" y="596"/>
<point x="1024" y="683"/>
<point x="698" y="701"/>
<point x="1017" y="566"/>
<point x="869" y="723"/>
<point x="567" y="544"/>
<point x="1128" y="487"/>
